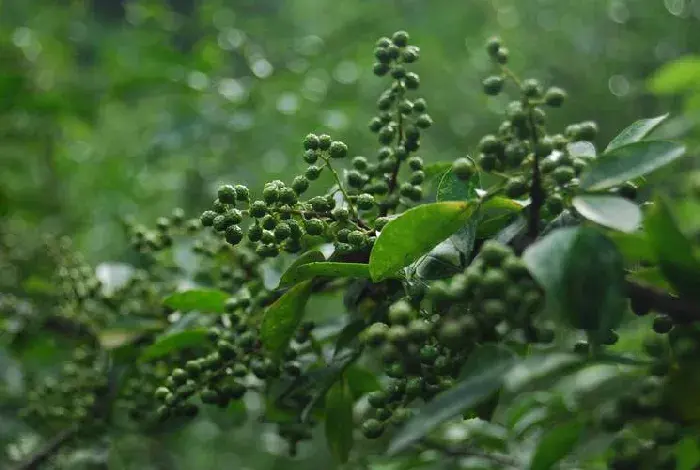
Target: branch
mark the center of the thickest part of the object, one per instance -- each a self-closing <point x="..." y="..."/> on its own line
<point x="681" y="310"/>
<point x="48" y="450"/>
<point x="537" y="195"/>
<point x="463" y="452"/>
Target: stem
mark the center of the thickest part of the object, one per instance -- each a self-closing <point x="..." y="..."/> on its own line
<point x="537" y="194"/>
<point x="681" y="310"/>
<point x="49" y="449"/>
<point x="342" y="188"/>
<point x="393" y="179"/>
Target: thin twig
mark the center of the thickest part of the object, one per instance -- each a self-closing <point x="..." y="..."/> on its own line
<point x="49" y="449"/>
<point x="681" y="310"/>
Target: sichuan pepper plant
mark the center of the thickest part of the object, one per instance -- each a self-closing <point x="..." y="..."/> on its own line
<point x="483" y="300"/>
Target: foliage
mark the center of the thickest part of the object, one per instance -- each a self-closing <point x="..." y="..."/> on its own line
<point x="494" y="307"/>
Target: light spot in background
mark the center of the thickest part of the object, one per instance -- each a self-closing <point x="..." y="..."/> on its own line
<point x="273" y="443"/>
<point x="548" y="20"/>
<point x="315" y="85"/>
<point x="675" y="7"/>
<point x="223" y="18"/>
<point x="619" y="85"/>
<point x="135" y="13"/>
<point x="298" y="65"/>
<point x="507" y="16"/>
<point x="346" y="72"/>
<point x="25" y="39"/>
<point x="45" y="80"/>
<point x="231" y="38"/>
<point x="197" y="80"/>
<point x="274" y="161"/>
<point x="462" y="124"/>
<point x="288" y="103"/>
<point x="336" y="119"/>
<point x="77" y="31"/>
<point x="232" y="89"/>
<point x="309" y="45"/>
<point x="261" y="68"/>
<point x="618" y="11"/>
<point x="242" y="121"/>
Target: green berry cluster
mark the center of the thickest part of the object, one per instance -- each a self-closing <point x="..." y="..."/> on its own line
<point x="398" y="126"/>
<point x="161" y="237"/>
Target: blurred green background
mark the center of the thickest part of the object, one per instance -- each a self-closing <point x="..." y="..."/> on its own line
<point x="112" y="109"/>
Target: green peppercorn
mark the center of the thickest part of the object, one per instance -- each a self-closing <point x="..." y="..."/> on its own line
<point x="365" y="201"/>
<point x="207" y="218"/>
<point x="338" y="150"/>
<point x="412" y="81"/>
<point x="493" y="85"/>
<point x="554" y="97"/>
<point x="227" y="194"/>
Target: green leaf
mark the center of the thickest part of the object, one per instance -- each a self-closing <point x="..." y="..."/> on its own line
<point x="437" y="169"/>
<point x="203" y="300"/>
<point x="175" y="342"/>
<point x="610" y="211"/>
<point x="485" y="376"/>
<point x="313" y="256"/>
<point x="361" y="381"/>
<point x="452" y="188"/>
<point x="652" y="276"/>
<point x="339" y="423"/>
<point x="635" y="247"/>
<point x="673" y="250"/>
<point x="325" y="269"/>
<point x="628" y="162"/>
<point x="282" y="318"/>
<point x="495" y="214"/>
<point x="677" y="76"/>
<point x="414" y="233"/>
<point x="635" y="132"/>
<point x="556" y="444"/>
<point x="582" y="274"/>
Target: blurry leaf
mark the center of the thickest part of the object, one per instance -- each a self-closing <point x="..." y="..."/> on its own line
<point x="676" y="76"/>
<point x="556" y="444"/>
<point x="414" y="233"/>
<point x="484" y="376"/>
<point x="348" y="335"/>
<point x="581" y="149"/>
<point x="308" y="257"/>
<point x="635" y="132"/>
<point x="452" y="188"/>
<point x="651" y="276"/>
<point x="441" y="262"/>
<point x="175" y="342"/>
<point x="537" y="372"/>
<point x="325" y="269"/>
<point x="673" y="250"/>
<point x="634" y="247"/>
<point x="610" y="211"/>
<point x="36" y="285"/>
<point x="203" y="300"/>
<point x="361" y="381"/>
<point x="688" y="453"/>
<point x="628" y="162"/>
<point x="320" y="380"/>
<point x="114" y="338"/>
<point x="113" y="276"/>
<point x="282" y="318"/>
<point x="463" y="240"/>
<point x="339" y="422"/>
<point x="582" y="274"/>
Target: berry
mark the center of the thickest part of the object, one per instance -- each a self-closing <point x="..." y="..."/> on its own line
<point x="532" y="88"/>
<point x="415" y="163"/>
<point x="207" y="218"/>
<point x="234" y="234"/>
<point x="258" y="209"/>
<point x="400" y="38"/>
<point x="662" y="324"/>
<point x="300" y="184"/>
<point x="372" y="428"/>
<point x="380" y="69"/>
<point x="226" y="194"/>
<point x="338" y="149"/>
<point x="365" y="201"/>
<point x="424" y="121"/>
<point x="516" y="188"/>
<point x="312" y="173"/>
<point x="554" y="97"/>
<point x="412" y="81"/>
<point x="463" y="168"/>
<point x="493" y="85"/>
<point x="311" y="156"/>
<point x="493" y="45"/>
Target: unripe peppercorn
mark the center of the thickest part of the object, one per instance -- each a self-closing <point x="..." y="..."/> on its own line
<point x="662" y="324"/>
<point x="376" y="334"/>
<point x="531" y="88"/>
<point x="380" y="69"/>
<point x="207" y="218"/>
<point x="493" y="45"/>
<point x="493" y="85"/>
<point x="563" y="174"/>
<point x="554" y="97"/>
<point x="255" y="232"/>
<point x="314" y="226"/>
<point x="410" y="54"/>
<point x="324" y="142"/>
<point x="415" y="163"/>
<point x="270" y="194"/>
<point x="424" y="121"/>
<point x="242" y="193"/>
<point x="417" y="177"/>
<point x="400" y="38"/>
<point x="269" y="222"/>
<point x="234" y="234"/>
<point x="338" y="149"/>
<point x="516" y="188"/>
<point x="463" y="168"/>
<point x="365" y="201"/>
<point x="488" y="161"/>
<point x="398" y="72"/>
<point x="312" y="173"/>
<point x="340" y="214"/>
<point x="412" y="81"/>
<point x="258" y="209"/>
<point x="226" y="194"/>
<point x="221" y="223"/>
<point x="300" y="184"/>
<point x="372" y="428"/>
<point x="502" y="55"/>
<point x="587" y="131"/>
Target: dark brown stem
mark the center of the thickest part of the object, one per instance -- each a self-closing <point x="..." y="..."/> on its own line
<point x="681" y="310"/>
<point x="49" y="449"/>
<point x="537" y="195"/>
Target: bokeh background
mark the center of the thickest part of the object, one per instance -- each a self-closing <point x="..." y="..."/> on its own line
<point x="116" y="109"/>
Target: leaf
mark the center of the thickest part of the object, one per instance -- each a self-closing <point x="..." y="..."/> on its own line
<point x="628" y="162"/>
<point x="673" y="250"/>
<point x="348" y="335"/>
<point x="361" y="381"/>
<point x="485" y="377"/>
<point x="582" y="274"/>
<point x="414" y="233"/>
<point x="325" y="269"/>
<point x="282" y="318"/>
<point x="339" y="422"/>
<point x="452" y="188"/>
<point x="635" y="132"/>
<point x="676" y="76"/>
<point x="581" y="149"/>
<point x="556" y="444"/>
<point x="175" y="342"/>
<point x="437" y="169"/>
<point x="635" y="247"/>
<point x="203" y="300"/>
<point x="610" y="211"/>
<point x="313" y="256"/>
<point x="495" y="214"/>
<point x="652" y="276"/>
